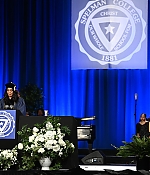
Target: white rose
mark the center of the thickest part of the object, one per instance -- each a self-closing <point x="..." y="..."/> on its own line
<point x="56" y="148"/>
<point x="54" y="142"/>
<point x="41" y="150"/>
<point x="4" y="153"/>
<point x="35" y="129"/>
<point x="41" y="139"/>
<point x="50" y="142"/>
<point x="54" y="133"/>
<point x="61" y="142"/>
<point x="31" y="138"/>
<point x="20" y="146"/>
<point x="48" y="145"/>
<point x="49" y="134"/>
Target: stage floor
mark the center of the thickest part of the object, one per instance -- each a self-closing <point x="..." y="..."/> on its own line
<point x="108" y="167"/>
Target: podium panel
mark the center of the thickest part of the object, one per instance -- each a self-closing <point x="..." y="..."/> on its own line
<point x="70" y="122"/>
<point x="8" y="128"/>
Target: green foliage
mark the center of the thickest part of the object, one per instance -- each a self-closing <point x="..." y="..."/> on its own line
<point x="139" y="147"/>
<point x="33" y="97"/>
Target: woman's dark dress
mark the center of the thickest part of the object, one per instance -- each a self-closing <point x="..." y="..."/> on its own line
<point x="143" y="130"/>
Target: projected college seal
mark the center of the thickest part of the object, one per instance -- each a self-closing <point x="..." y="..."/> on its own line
<point x="7" y="124"/>
<point x="110" y="31"/>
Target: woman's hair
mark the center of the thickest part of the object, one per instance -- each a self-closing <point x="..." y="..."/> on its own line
<point x="14" y="96"/>
<point x="141" y="115"/>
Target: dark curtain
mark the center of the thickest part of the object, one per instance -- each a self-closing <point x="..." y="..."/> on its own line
<point x="35" y="47"/>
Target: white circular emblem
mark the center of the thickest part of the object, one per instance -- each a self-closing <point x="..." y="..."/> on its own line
<point x="7" y="124"/>
<point x="110" y="31"/>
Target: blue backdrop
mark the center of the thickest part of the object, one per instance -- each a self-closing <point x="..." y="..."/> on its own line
<point x="35" y="46"/>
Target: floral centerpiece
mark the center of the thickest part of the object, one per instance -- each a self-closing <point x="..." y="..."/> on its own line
<point x="8" y="157"/>
<point x="44" y="140"/>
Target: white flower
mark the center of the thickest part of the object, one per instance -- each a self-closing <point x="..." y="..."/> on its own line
<point x="31" y="138"/>
<point x="58" y="124"/>
<point x="49" y="142"/>
<point x="48" y="145"/>
<point x="49" y="134"/>
<point x="20" y="146"/>
<point x="72" y="145"/>
<point x="5" y="152"/>
<point x="35" y="129"/>
<point x="54" y="133"/>
<point x="27" y="148"/>
<point x="9" y="155"/>
<point x="41" y="150"/>
<point x="55" y="142"/>
<point x="60" y="136"/>
<point x="56" y="148"/>
<point x="35" y="134"/>
<point x="60" y="153"/>
<point x="61" y="142"/>
<point x="33" y="146"/>
<point x="49" y="126"/>
<point x="41" y="139"/>
<point x="58" y="131"/>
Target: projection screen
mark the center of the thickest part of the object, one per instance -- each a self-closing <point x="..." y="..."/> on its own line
<point x="109" y="34"/>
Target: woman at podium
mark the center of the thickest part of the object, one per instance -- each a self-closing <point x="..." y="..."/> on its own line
<point x="11" y="100"/>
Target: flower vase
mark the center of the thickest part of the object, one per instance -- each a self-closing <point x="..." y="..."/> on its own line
<point x="45" y="162"/>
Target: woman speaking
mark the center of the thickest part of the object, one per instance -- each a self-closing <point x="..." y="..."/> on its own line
<point x="11" y="100"/>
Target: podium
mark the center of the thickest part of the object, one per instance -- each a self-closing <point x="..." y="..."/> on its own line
<point x="9" y="124"/>
<point x="70" y="122"/>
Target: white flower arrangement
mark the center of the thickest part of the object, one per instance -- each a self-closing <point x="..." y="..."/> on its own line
<point x="44" y="140"/>
<point x="8" y="158"/>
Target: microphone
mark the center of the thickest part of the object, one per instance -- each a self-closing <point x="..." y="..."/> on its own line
<point x="114" y="146"/>
<point x="135" y="96"/>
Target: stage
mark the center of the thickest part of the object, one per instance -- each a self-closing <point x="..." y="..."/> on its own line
<point x="108" y="167"/>
<point x="84" y="170"/>
<point x="111" y="164"/>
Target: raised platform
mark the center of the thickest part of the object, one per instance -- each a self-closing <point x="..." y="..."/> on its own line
<point x="92" y="170"/>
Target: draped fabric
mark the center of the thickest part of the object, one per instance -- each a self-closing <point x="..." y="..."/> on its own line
<point x="35" y="47"/>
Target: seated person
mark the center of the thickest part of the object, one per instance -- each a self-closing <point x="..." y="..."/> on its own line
<point x="40" y="112"/>
<point x="11" y="100"/>
<point x="142" y="127"/>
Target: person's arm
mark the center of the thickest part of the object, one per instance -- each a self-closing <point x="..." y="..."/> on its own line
<point x="21" y="106"/>
<point x="138" y="129"/>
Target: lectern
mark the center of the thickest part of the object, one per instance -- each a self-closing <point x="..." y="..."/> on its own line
<point x="9" y="124"/>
